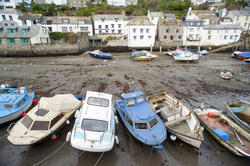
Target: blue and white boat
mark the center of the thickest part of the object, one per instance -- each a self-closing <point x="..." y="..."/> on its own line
<point x="184" y="55"/>
<point x="241" y="55"/>
<point x="141" y="121"/>
<point x="100" y="54"/>
<point x="14" y="102"/>
<point x="94" y="128"/>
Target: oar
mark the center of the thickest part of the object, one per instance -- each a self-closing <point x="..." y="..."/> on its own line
<point x="238" y="137"/>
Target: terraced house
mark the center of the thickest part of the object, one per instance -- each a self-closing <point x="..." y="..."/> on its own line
<point x="170" y="29"/>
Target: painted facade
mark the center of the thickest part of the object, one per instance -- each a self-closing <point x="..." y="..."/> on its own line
<point x="241" y="18"/>
<point x="10" y="15"/>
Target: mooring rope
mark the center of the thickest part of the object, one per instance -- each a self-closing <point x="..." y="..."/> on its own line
<point x="4" y="136"/>
<point x="46" y="158"/>
<point x="150" y="155"/>
<point x="165" y="153"/>
<point x="99" y="159"/>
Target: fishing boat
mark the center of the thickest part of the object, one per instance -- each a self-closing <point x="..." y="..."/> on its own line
<point x="240" y="112"/>
<point x="179" y="119"/>
<point x="181" y="55"/>
<point x="14" y="102"/>
<point x="226" y="75"/>
<point x="142" y="56"/>
<point x="94" y="128"/>
<point x="225" y="131"/>
<point x="99" y="54"/>
<point x="241" y="55"/>
<point x="140" y="120"/>
<point x="44" y="120"/>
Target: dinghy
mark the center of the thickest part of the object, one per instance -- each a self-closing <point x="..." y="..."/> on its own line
<point x="180" y="55"/>
<point x="100" y="54"/>
<point x="225" y="131"/>
<point x="241" y="55"/>
<point x="94" y="128"/>
<point x="179" y="119"/>
<point x="240" y="112"/>
<point x="226" y="75"/>
<point x="14" y="102"/>
<point x="140" y="119"/>
<point x="47" y="117"/>
<point x="142" y="56"/>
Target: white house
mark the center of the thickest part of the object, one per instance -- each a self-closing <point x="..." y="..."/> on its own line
<point x="9" y="14"/>
<point x="208" y="16"/>
<point x="216" y="35"/>
<point x="68" y="24"/>
<point x="192" y="31"/>
<point x="141" y="33"/>
<point x="240" y="17"/>
<point x="122" y="2"/>
<point x="154" y="18"/>
<point x="8" y="3"/>
<point x="109" y="23"/>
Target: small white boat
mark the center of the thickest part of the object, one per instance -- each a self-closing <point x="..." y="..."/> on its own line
<point x="142" y="56"/>
<point x="178" y="118"/>
<point x="180" y="55"/>
<point x="43" y="120"/>
<point x="94" y="128"/>
<point x="226" y="75"/>
<point x="203" y="52"/>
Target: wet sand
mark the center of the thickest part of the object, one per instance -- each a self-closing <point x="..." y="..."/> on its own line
<point x="193" y="83"/>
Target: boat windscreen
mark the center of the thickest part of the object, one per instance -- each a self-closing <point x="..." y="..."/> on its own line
<point x="96" y="101"/>
<point x="140" y="99"/>
<point x="27" y="121"/>
<point x="153" y="122"/>
<point x="130" y="102"/>
<point x="40" y="125"/>
<point x="94" y="125"/>
<point x="141" y="125"/>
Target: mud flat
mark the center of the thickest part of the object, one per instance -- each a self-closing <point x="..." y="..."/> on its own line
<point x="193" y="83"/>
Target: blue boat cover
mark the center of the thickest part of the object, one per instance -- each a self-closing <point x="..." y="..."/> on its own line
<point x="244" y="54"/>
<point x="222" y="134"/>
<point x="238" y="109"/>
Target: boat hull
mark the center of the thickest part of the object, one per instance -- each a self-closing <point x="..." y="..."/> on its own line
<point x="95" y="55"/>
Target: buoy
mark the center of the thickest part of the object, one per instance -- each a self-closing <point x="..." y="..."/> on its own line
<point x="67" y="122"/>
<point x="202" y="128"/>
<point x="34" y="101"/>
<point x="116" y="140"/>
<point x="53" y="136"/>
<point x="116" y="120"/>
<point x="173" y="137"/>
<point x="68" y="136"/>
<point x="23" y="114"/>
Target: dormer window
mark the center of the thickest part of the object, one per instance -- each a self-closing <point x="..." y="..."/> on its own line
<point x="103" y="19"/>
<point x="145" y="22"/>
<point x="137" y="22"/>
<point x="65" y="21"/>
<point x="80" y="22"/>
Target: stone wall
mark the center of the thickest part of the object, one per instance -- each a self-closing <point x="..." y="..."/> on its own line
<point x="19" y="49"/>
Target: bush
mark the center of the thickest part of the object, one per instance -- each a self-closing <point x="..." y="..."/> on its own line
<point x="56" y="35"/>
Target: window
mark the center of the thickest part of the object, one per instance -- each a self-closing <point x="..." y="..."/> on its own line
<point x="139" y="99"/>
<point x="209" y="32"/>
<point x="107" y="31"/>
<point x="112" y="25"/>
<point x="96" y="101"/>
<point x="24" y="22"/>
<point x="245" y="24"/>
<point x="237" y="18"/>
<point x="235" y="31"/>
<point x="141" y="30"/>
<point x="235" y="37"/>
<point x="55" y="120"/>
<point x="80" y="22"/>
<point x="179" y="37"/>
<point x="226" y="31"/>
<point x="171" y="37"/>
<point x="167" y="23"/>
<point x="119" y="25"/>
<point x="179" y="23"/>
<point x="116" y="19"/>
<point x="141" y="125"/>
<point x="11" y="40"/>
<point x="50" y="29"/>
<point x="100" y="32"/>
<point x="246" y="18"/>
<point x="177" y="30"/>
<point x="191" y="29"/>
<point x="130" y="102"/>
<point x="40" y="125"/>
<point x="119" y="31"/>
<point x="84" y="29"/>
<point x="147" y="30"/>
<point x="134" y="30"/>
<point x="0" y="41"/>
<point x="94" y="125"/>
<point x="134" y="37"/>
<point x="70" y="29"/>
<point x="231" y="37"/>
<point x="167" y="30"/>
<point x="25" y="31"/>
<point x="25" y="40"/>
<point x="149" y="37"/>
<point x="225" y="37"/>
<point x="12" y="31"/>
<point x="190" y="35"/>
<point x="141" y="36"/>
<point x="100" y="26"/>
<point x="103" y="19"/>
<point x="5" y="24"/>
<point x="4" y="17"/>
<point x="153" y="122"/>
<point x="165" y="37"/>
<point x="113" y="31"/>
<point x="34" y="21"/>
<point x="64" y="29"/>
<point x="65" y="21"/>
<point x="27" y="121"/>
<point x="129" y="121"/>
<point x="11" y="18"/>
<point x="106" y="26"/>
<point x="209" y="37"/>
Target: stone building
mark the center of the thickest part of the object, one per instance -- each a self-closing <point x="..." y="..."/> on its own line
<point x="170" y="31"/>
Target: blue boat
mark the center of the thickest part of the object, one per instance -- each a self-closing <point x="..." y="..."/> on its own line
<point x="100" y="54"/>
<point x="14" y="102"/>
<point x="241" y="55"/>
<point x="140" y="119"/>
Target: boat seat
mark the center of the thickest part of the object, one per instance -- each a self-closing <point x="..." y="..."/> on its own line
<point x="177" y="120"/>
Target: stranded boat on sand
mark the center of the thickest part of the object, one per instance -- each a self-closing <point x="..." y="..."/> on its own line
<point x="142" y="56"/>
<point x="43" y="120"/>
<point x="140" y="119"/>
<point x="100" y="54"/>
<point x="178" y="118"/>
<point x="14" y="102"/>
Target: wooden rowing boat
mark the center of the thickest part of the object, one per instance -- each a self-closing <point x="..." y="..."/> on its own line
<point x="178" y="118"/>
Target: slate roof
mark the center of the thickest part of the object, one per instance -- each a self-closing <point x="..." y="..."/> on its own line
<point x="170" y="21"/>
<point x="99" y="17"/>
<point x="140" y="22"/>
<point x="9" y="11"/>
<point x="30" y="16"/>
<point x="202" y="12"/>
<point x="239" y="13"/>
<point x="169" y="16"/>
<point x="223" y="27"/>
<point x="59" y="20"/>
<point x="155" y="14"/>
